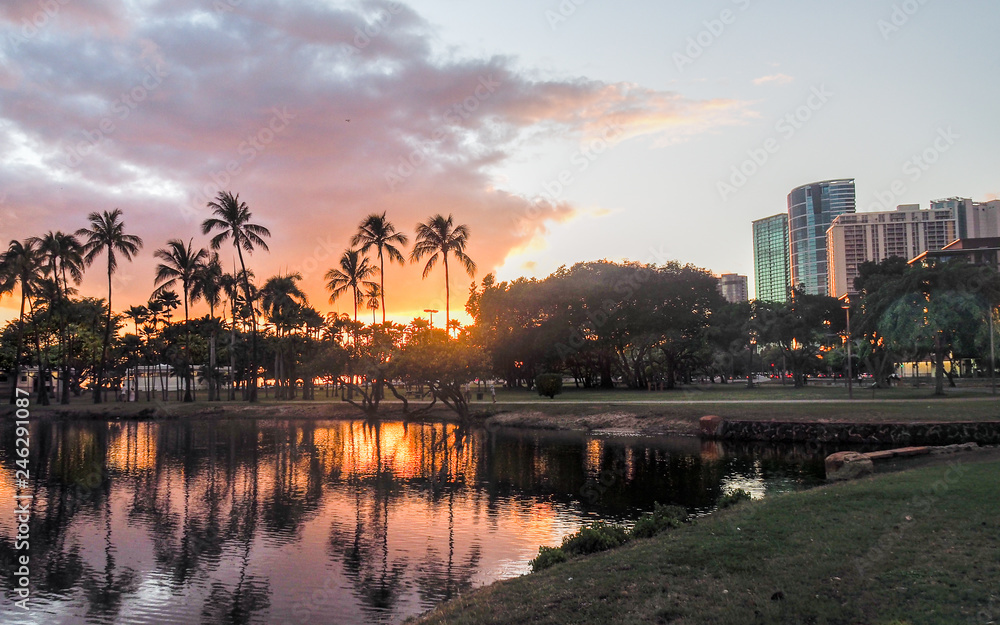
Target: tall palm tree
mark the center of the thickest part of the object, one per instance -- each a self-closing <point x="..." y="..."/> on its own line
<point x="378" y="232"/>
<point x="232" y="220"/>
<point x="208" y="284"/>
<point x="353" y="274"/>
<point x="63" y="258"/>
<point x="437" y="238"/>
<point x="181" y="263"/>
<point x="20" y="265"/>
<point x="230" y="284"/>
<point x="106" y="235"/>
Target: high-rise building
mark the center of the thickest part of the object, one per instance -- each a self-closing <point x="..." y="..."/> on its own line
<point x="811" y="210"/>
<point x="733" y="287"/>
<point x="860" y="237"/>
<point x="974" y="220"/>
<point x="770" y="258"/>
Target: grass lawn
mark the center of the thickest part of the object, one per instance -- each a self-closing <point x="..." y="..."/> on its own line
<point x="917" y="547"/>
<point x="734" y="401"/>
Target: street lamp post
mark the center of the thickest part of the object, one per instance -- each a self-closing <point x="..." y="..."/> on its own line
<point x="753" y="350"/>
<point x="846" y="305"/>
<point x="431" y="311"/>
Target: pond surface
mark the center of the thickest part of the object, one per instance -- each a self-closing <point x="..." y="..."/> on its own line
<point x="313" y="522"/>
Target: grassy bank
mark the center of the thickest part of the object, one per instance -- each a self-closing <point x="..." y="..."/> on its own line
<point x="661" y="412"/>
<point x="918" y="547"/>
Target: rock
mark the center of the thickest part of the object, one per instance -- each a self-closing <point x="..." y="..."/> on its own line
<point x="848" y="465"/>
<point x="712" y="426"/>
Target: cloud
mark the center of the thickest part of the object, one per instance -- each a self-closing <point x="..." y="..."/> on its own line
<point x="778" y="79"/>
<point x="317" y="115"/>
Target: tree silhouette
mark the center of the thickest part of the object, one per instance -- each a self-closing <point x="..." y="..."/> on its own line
<point x="436" y="239"/>
<point x="106" y="235"/>
<point x="232" y="220"/>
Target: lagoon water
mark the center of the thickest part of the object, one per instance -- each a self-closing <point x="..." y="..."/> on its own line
<point x="313" y="522"/>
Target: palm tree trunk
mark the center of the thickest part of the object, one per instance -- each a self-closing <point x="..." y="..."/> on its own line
<point x="98" y="390"/>
<point x="188" y="374"/>
<point x="447" y="297"/>
<point x="213" y="383"/>
<point x="381" y="285"/>
<point x="253" y="328"/>
<point x="232" y="350"/>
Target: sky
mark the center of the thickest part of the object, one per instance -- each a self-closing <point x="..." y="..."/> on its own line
<point x="558" y="131"/>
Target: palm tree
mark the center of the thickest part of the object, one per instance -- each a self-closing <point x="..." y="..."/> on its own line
<point x="107" y="235"/>
<point x="372" y="295"/>
<point x="376" y="231"/>
<point x="282" y="300"/>
<point x="353" y="274"/>
<point x="232" y="220"/>
<point x="163" y="303"/>
<point x="20" y="266"/>
<point x="138" y="314"/>
<point x="208" y="284"/>
<point x="181" y="263"/>
<point x="437" y="238"/>
<point x="63" y="258"/>
<point x="230" y="284"/>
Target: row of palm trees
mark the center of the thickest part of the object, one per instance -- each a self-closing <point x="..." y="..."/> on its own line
<point x="436" y="240"/>
<point x="46" y="268"/>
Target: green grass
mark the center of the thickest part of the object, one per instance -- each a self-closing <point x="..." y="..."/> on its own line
<point x="919" y="547"/>
<point x="687" y="405"/>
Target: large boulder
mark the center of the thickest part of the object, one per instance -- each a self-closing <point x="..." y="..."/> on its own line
<point x="848" y="465"/>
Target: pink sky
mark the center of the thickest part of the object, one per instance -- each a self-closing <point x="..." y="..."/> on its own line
<point x="314" y="125"/>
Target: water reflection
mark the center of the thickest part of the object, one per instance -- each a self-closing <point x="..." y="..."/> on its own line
<point x="250" y="521"/>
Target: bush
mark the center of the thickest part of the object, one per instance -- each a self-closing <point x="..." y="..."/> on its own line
<point x="731" y="499"/>
<point x="599" y="536"/>
<point x="549" y="384"/>
<point x="547" y="556"/>
<point x="659" y="520"/>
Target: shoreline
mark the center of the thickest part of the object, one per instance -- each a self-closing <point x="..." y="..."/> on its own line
<point x="642" y="418"/>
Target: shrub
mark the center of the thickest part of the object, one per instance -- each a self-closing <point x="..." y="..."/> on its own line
<point x="659" y="520"/>
<point x="599" y="536"/>
<point x="547" y="556"/>
<point x="731" y="499"/>
<point x="549" y="384"/>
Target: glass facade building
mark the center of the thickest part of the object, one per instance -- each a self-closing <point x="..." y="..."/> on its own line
<point x="811" y="210"/>
<point x="770" y="258"/>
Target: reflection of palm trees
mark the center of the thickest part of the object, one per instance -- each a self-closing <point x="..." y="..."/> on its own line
<point x="378" y="581"/>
